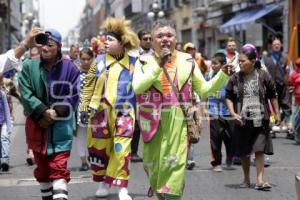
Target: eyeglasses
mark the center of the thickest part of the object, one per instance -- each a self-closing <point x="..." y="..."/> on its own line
<point x="147" y="38"/>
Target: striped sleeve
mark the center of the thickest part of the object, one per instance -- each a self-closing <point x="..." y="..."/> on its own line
<point x="88" y="88"/>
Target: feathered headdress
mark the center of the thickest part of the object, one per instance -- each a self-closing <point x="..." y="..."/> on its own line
<point x="120" y="28"/>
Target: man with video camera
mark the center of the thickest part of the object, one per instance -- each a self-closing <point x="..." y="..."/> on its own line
<point x="48" y="88"/>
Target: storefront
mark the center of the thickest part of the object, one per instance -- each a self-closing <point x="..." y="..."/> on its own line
<point x="255" y="25"/>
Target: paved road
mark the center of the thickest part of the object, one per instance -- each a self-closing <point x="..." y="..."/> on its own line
<point x="201" y="183"/>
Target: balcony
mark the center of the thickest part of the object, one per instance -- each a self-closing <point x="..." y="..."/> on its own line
<point x="220" y="2"/>
<point x="199" y="7"/>
<point x="200" y="10"/>
<point x="186" y="1"/>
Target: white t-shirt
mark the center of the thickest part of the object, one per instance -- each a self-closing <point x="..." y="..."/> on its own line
<point x="8" y="61"/>
<point x="234" y="62"/>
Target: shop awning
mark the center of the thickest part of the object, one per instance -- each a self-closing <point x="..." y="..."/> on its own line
<point x="240" y="21"/>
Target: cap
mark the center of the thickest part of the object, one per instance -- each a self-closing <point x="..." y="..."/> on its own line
<point x="188" y="45"/>
<point x="53" y="35"/>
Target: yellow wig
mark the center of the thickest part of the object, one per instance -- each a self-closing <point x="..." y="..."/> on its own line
<point x="122" y="28"/>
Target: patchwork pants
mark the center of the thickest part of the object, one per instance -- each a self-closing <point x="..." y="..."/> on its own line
<point x="109" y="138"/>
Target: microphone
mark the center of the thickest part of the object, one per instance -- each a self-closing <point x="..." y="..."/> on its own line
<point x="166" y="57"/>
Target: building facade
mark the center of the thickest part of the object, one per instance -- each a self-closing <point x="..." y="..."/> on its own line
<point x="92" y="17"/>
<point x="248" y="21"/>
<point x="10" y="24"/>
<point x="206" y="23"/>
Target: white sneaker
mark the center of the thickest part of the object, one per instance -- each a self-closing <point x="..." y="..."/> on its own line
<point x="190" y="164"/>
<point x="218" y="168"/>
<point x="102" y="190"/>
<point x="276" y="128"/>
<point x="123" y="194"/>
<point x="284" y="128"/>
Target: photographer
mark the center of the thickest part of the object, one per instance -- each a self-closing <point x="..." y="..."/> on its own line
<point x="48" y="88"/>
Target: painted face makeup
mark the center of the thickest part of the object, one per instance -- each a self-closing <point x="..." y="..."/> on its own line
<point x="49" y="51"/>
<point x="164" y="37"/>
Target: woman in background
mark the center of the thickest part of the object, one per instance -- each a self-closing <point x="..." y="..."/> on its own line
<point x="247" y="95"/>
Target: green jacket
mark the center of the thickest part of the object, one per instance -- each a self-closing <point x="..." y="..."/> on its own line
<point x="147" y="72"/>
<point x="35" y="82"/>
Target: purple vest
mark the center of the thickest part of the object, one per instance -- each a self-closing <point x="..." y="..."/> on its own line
<point x="151" y="103"/>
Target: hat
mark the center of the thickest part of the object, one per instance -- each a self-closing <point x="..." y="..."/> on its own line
<point x="53" y="35"/>
<point x="188" y="45"/>
<point x="251" y="47"/>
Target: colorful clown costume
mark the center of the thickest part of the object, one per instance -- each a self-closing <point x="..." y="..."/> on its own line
<point x="111" y="123"/>
<point x="161" y="119"/>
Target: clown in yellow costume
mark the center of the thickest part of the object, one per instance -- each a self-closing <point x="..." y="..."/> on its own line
<point x="112" y="104"/>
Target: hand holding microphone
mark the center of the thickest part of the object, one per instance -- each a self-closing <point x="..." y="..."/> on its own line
<point x="228" y="69"/>
<point x="165" y="56"/>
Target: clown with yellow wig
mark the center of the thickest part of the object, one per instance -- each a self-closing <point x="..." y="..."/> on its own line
<point x="109" y="96"/>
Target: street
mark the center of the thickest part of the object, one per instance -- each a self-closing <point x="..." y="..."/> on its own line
<point x="201" y="183"/>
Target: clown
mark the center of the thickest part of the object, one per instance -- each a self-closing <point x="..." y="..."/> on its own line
<point x="111" y="106"/>
<point x="97" y="44"/>
<point x="160" y="117"/>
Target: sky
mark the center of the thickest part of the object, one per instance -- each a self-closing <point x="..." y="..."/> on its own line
<point x="61" y="15"/>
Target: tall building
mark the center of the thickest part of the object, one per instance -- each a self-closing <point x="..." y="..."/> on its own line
<point x="10" y="24"/>
<point x="94" y="13"/>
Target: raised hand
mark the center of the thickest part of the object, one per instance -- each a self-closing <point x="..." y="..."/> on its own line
<point x="29" y="41"/>
<point x="228" y="69"/>
<point x="84" y="117"/>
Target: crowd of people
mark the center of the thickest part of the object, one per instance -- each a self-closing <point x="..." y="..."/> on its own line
<point x="108" y="95"/>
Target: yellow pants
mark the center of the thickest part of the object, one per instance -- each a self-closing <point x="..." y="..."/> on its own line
<point x="109" y="137"/>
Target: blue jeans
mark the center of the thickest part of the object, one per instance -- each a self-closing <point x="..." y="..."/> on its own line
<point x="5" y="142"/>
<point x="191" y="152"/>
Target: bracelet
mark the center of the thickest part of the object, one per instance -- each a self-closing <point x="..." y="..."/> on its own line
<point x="23" y="46"/>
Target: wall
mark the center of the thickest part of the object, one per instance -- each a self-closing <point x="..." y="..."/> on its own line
<point x="184" y="23"/>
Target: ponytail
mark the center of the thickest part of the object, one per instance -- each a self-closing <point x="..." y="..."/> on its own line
<point x="257" y="64"/>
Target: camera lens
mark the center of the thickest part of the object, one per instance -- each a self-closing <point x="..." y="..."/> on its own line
<point x="41" y="39"/>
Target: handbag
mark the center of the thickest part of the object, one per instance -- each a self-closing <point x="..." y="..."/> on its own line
<point x="190" y="110"/>
<point x="268" y="150"/>
<point x="269" y="145"/>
